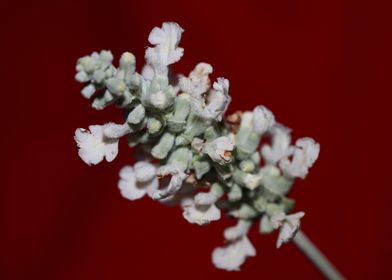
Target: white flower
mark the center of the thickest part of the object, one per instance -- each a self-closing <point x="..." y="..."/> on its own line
<point x="218" y="101"/>
<point x="201" y="214"/>
<point x="263" y="119"/>
<point x="94" y="146"/>
<point x="305" y="154"/>
<point x="289" y="225"/>
<point x="280" y="147"/>
<point x="220" y="149"/>
<point x="198" y="81"/>
<point x="133" y="184"/>
<point x="166" y="51"/>
<point x="177" y="178"/>
<point x="233" y="255"/>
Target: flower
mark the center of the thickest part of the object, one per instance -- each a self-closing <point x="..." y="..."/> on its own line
<point x="234" y="254"/>
<point x="94" y="146"/>
<point x="201" y="214"/>
<point x="289" y="225"/>
<point x="219" y="150"/>
<point x="166" y="51"/>
<point x="306" y="152"/>
<point x="177" y="178"/>
<point x="135" y="182"/>
<point x="218" y="101"/>
<point x="280" y="147"/>
<point x="198" y="81"/>
<point x="263" y="119"/>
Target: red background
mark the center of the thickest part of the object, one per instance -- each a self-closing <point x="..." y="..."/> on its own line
<point x="323" y="68"/>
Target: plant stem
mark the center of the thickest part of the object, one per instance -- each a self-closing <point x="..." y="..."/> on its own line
<point x="317" y="257"/>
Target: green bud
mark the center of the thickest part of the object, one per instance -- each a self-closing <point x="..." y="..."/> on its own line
<point x="164" y="145"/>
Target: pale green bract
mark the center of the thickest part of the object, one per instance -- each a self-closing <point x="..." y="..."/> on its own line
<point x="188" y="152"/>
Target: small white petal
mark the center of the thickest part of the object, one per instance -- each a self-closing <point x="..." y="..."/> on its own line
<point x="233" y="255"/>
<point x="145" y="171"/>
<point x="132" y="189"/>
<point x="127" y="184"/>
<point x="198" y="81"/>
<point x="201" y="214"/>
<point x="263" y="119"/>
<point x="177" y="178"/>
<point x="94" y="146"/>
<point x="220" y="149"/>
<point x="280" y="147"/>
<point x="166" y="51"/>
<point x="218" y="101"/>
<point x="289" y="225"/>
<point x="305" y="154"/>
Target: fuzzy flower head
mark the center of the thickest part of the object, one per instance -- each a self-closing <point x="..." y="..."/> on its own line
<point x="187" y="152"/>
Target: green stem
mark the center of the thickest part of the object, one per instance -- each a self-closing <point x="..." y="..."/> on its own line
<point x="317" y="257"/>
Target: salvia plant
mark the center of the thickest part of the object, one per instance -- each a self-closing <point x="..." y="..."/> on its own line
<point x="188" y="152"/>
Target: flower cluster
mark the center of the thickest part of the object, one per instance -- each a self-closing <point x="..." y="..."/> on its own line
<point x="188" y="152"/>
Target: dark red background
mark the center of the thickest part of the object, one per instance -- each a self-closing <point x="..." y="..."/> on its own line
<point x="323" y="68"/>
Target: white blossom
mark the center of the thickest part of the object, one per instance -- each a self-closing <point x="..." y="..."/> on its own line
<point x="281" y="145"/>
<point x="263" y="119"/>
<point x="233" y="255"/>
<point x="198" y="81"/>
<point x="289" y="225"/>
<point x="219" y="150"/>
<point x="201" y="214"/>
<point x="94" y="146"/>
<point x="305" y="154"/>
<point x="177" y="178"/>
<point x="130" y="185"/>
<point x="213" y="105"/>
<point x="166" y="50"/>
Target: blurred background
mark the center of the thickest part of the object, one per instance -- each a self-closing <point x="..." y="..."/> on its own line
<point x="323" y="68"/>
